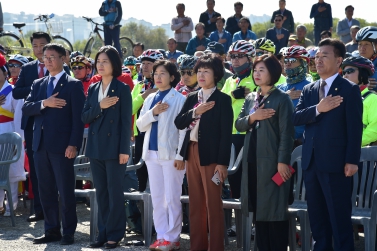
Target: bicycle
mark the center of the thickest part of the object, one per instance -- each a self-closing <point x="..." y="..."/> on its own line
<point x="95" y="42"/>
<point x="14" y="44"/>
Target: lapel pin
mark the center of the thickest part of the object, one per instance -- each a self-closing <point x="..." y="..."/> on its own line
<point x="61" y="84"/>
<point x="112" y="90"/>
<point x="268" y="101"/>
<point x="336" y="89"/>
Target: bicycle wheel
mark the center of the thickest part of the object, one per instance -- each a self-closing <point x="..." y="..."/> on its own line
<point x="63" y="41"/>
<point x="126" y="46"/>
<point x="12" y="43"/>
<point x="88" y="47"/>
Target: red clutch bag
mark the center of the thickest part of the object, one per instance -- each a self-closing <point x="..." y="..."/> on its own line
<point x="278" y="179"/>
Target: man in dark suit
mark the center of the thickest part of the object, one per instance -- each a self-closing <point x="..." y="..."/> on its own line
<point x="30" y="72"/>
<point x="278" y="34"/>
<point x="321" y="12"/>
<point x="209" y="17"/>
<point x="288" y="21"/>
<point x="331" y="110"/>
<point x="56" y="102"/>
<point x="232" y="22"/>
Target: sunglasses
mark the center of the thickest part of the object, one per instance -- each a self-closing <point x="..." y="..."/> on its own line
<point x="259" y="53"/>
<point x="234" y="56"/>
<point x="77" y="68"/>
<point x="14" y="65"/>
<point x="188" y="72"/>
<point x="290" y="60"/>
<point x="348" y="71"/>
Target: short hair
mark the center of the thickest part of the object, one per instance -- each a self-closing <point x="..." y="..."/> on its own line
<point x="300" y="26"/>
<point x="170" y="67"/>
<point x="244" y="18"/>
<point x="55" y="47"/>
<point x="339" y="47"/>
<point x="356" y="27"/>
<point x="279" y="15"/>
<point x="349" y="6"/>
<point x="326" y="33"/>
<point x="114" y="59"/>
<point x="139" y="44"/>
<point x="180" y="4"/>
<point x="211" y="62"/>
<point x="210" y="0"/>
<point x="222" y="19"/>
<point x="238" y="4"/>
<point x="40" y="34"/>
<point x="273" y="66"/>
<point x="201" y="24"/>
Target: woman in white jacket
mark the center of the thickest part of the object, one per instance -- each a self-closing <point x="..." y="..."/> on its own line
<point x="162" y="144"/>
<point x="10" y="121"/>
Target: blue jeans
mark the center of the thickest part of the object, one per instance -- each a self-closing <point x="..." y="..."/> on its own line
<point x="112" y="37"/>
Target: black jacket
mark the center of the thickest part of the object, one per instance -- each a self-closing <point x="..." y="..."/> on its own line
<point x="204" y="19"/>
<point x="109" y="130"/>
<point x="215" y="129"/>
<point x="232" y="25"/>
<point x="289" y="23"/>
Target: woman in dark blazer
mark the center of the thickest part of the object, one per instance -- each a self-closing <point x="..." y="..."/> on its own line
<point x="108" y="110"/>
<point x="207" y="115"/>
<point x="266" y="116"/>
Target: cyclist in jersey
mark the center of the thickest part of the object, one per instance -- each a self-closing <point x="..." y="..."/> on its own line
<point x="130" y="63"/>
<point x="81" y="68"/>
<point x="188" y="76"/>
<point x="367" y="40"/>
<point x="358" y="70"/>
<point x="312" y="69"/>
<point x="14" y="64"/>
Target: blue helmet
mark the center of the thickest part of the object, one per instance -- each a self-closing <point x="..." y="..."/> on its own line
<point x="129" y="61"/>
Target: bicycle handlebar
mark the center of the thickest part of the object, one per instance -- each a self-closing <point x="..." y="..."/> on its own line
<point x="90" y="20"/>
<point x="44" y="17"/>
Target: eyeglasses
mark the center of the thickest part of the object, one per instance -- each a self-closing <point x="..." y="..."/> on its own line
<point x="277" y="20"/>
<point x="14" y="65"/>
<point x="77" y="68"/>
<point x="52" y="58"/>
<point x="234" y="56"/>
<point x="188" y="72"/>
<point x="290" y="60"/>
<point x="348" y="71"/>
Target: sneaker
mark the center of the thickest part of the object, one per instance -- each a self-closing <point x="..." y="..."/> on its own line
<point x="7" y="214"/>
<point x="155" y="244"/>
<point x="168" y="246"/>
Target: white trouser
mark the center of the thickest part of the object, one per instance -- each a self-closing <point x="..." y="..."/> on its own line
<point x="166" y="188"/>
<point x="14" y="189"/>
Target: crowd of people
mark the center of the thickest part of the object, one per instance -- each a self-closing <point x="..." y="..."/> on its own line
<point x="184" y="108"/>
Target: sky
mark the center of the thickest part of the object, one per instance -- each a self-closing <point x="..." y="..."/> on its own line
<point x="161" y="11"/>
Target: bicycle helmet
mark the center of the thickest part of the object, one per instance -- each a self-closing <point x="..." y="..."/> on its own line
<point x="129" y="61"/>
<point x="181" y="58"/>
<point x="80" y="59"/>
<point x="21" y="59"/>
<point x="188" y="63"/>
<point x="312" y="52"/>
<point x="265" y="44"/>
<point x="163" y="53"/>
<point x="75" y="54"/>
<point x="126" y="70"/>
<point x="297" y="51"/>
<point x="368" y="33"/>
<point x="151" y="55"/>
<point x="282" y="50"/>
<point x="242" y="46"/>
<point x="359" y="62"/>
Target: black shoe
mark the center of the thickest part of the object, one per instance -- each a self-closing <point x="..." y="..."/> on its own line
<point x="112" y="245"/>
<point x="36" y="217"/>
<point x="231" y="233"/>
<point x="49" y="236"/>
<point x="67" y="239"/>
<point x="96" y="244"/>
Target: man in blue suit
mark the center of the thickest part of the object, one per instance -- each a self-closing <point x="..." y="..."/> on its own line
<point x="331" y="110"/>
<point x="56" y="102"/>
<point x="278" y="34"/>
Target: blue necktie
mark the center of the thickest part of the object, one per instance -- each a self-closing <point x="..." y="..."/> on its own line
<point x="50" y="87"/>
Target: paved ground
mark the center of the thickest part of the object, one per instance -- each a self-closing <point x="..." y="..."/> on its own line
<point x="21" y="236"/>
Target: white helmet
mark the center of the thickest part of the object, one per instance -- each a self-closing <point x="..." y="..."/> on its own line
<point x="243" y="46"/>
<point x="19" y="58"/>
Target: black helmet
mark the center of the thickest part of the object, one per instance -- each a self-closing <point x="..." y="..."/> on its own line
<point x="368" y="33"/>
<point x="359" y="62"/>
<point x="188" y="63"/>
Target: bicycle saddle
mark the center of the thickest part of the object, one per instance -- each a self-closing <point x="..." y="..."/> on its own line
<point x="19" y="25"/>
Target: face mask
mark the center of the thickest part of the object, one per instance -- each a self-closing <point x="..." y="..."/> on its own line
<point x="242" y="67"/>
<point x="297" y="74"/>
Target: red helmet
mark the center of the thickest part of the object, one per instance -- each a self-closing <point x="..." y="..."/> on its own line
<point x="151" y="55"/>
<point x="242" y="46"/>
<point x="297" y="51"/>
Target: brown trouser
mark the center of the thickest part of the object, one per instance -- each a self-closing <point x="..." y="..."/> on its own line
<point x="205" y="204"/>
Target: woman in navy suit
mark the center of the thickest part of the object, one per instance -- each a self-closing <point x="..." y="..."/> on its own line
<point x="108" y="110"/>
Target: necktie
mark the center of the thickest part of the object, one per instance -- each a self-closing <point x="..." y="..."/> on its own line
<point x="50" y="87"/>
<point x="322" y="90"/>
<point x="41" y="72"/>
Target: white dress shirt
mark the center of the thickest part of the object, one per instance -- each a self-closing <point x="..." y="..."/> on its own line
<point x="57" y="77"/>
<point x="102" y="94"/>
<point x="327" y="87"/>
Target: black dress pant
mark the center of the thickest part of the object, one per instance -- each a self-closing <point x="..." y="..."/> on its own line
<point x="235" y="179"/>
<point x="28" y="133"/>
<point x="142" y="172"/>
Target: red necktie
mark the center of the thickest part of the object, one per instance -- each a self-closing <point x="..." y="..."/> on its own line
<point x="41" y="72"/>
